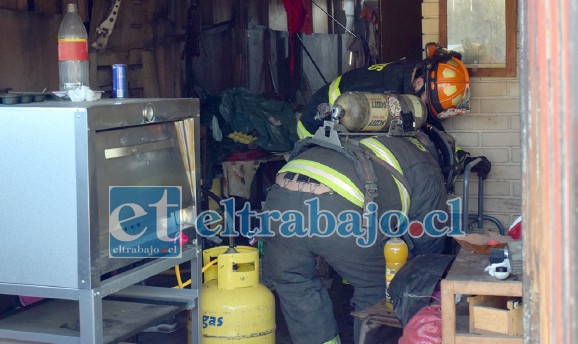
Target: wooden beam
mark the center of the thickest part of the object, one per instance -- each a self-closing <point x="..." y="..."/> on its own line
<point x="476" y="339"/>
<point x="499" y="288"/>
<point x="240" y="48"/>
<point x="47" y="6"/>
<point x="22" y="5"/>
<point x="549" y="99"/>
<point x="150" y="80"/>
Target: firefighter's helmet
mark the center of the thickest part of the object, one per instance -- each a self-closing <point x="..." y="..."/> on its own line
<point x="447" y="80"/>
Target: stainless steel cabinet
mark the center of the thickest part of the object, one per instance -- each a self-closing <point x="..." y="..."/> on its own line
<point x="58" y="161"/>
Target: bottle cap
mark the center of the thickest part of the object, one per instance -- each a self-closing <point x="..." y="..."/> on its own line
<point x="71" y="8"/>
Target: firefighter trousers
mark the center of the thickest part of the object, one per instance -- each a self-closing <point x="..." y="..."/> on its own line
<point x="290" y="264"/>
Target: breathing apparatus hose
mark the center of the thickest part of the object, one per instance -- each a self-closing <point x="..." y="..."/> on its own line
<point x="180" y="284"/>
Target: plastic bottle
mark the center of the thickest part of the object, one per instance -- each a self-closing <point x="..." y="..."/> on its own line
<point x="395" y="252"/>
<point x="72" y="51"/>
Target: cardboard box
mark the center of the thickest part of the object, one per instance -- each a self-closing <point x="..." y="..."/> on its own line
<point x="496" y="315"/>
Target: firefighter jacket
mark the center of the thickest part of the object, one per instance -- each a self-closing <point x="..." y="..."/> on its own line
<point x="386" y="77"/>
<point x="407" y="155"/>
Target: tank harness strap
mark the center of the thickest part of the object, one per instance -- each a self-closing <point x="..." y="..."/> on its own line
<point x="405" y="124"/>
<point x="362" y="164"/>
<point x="401" y="181"/>
<point x="407" y="116"/>
<point x="362" y="158"/>
<point x="366" y="173"/>
<point x="383" y="156"/>
<point x="300" y="147"/>
<point x="357" y="155"/>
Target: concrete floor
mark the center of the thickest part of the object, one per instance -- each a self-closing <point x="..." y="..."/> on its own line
<point x="340" y="295"/>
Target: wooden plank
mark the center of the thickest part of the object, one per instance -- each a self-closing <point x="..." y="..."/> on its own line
<point x="488" y="288"/>
<point x="32" y="63"/>
<point x="240" y="48"/>
<point x="8" y="4"/>
<point x="443" y="23"/>
<point x="181" y="16"/>
<point x="22" y="5"/>
<point x="178" y="74"/>
<point x="448" y="312"/>
<point x="93" y="71"/>
<point x="108" y="58"/>
<point x="47" y="6"/>
<point x="469" y="266"/>
<point x="83" y="10"/>
<point x="548" y="165"/>
<point x="476" y="339"/>
<point x="15" y="5"/>
<point x="216" y="11"/>
<point x="150" y="80"/>
<point x="162" y="70"/>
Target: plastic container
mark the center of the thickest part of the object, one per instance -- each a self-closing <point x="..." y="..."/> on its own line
<point x="395" y="252"/>
<point x="72" y="51"/>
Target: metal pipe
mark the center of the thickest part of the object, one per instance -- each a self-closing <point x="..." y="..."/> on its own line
<point x="466" y="195"/>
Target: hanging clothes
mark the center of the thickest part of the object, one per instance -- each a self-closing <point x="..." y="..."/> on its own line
<point x="370" y="21"/>
<point x="299" y="19"/>
<point x="360" y="53"/>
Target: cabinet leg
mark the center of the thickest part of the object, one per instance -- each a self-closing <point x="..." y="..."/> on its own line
<point x="90" y="315"/>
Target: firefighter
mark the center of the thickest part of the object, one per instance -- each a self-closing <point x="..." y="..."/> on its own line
<point x="330" y="177"/>
<point x="413" y="185"/>
<point x="441" y="80"/>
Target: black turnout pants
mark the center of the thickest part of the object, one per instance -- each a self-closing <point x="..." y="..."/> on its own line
<point x="290" y="264"/>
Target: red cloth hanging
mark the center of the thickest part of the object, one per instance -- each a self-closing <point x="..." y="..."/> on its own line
<point x="298" y="20"/>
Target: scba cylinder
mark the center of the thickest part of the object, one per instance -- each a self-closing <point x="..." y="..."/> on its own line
<point x="375" y="111"/>
<point x="235" y="307"/>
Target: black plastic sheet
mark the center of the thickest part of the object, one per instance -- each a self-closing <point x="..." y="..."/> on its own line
<point x="413" y="285"/>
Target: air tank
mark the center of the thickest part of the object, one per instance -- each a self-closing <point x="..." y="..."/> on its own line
<point x="375" y="111"/>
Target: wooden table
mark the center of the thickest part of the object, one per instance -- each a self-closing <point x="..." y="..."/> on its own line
<point x="467" y="277"/>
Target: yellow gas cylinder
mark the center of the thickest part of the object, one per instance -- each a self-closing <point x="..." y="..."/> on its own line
<point x="375" y="111"/>
<point x="235" y="308"/>
<point x="395" y="252"/>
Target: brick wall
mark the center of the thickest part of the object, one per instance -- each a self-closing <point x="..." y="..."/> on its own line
<point x="491" y="129"/>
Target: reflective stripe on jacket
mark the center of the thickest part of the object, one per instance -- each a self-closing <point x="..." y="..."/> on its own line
<point x="302" y="132"/>
<point x="338" y="173"/>
<point x="334" y="91"/>
<point x="337" y="181"/>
